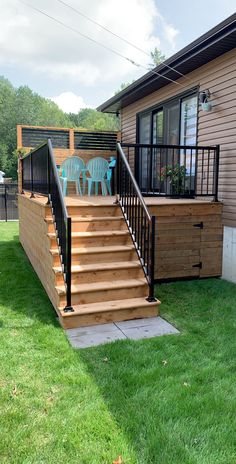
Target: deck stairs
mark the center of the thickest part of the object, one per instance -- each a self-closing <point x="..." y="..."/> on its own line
<point x="108" y="282"/>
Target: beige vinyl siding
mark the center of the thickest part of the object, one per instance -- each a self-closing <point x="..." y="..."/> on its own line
<point x="215" y="127"/>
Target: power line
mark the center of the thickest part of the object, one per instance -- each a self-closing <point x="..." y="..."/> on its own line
<point x="116" y="35"/>
<point x="58" y="21"/>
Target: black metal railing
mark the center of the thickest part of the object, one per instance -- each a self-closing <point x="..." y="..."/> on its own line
<point x="40" y="175"/>
<point x="8" y="202"/>
<point x="140" y="223"/>
<point x="175" y="170"/>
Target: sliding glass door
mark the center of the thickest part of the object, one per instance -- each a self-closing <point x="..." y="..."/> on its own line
<point x="174" y="123"/>
<point x="143" y="160"/>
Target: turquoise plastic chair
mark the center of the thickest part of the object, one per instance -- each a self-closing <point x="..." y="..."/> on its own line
<point x="71" y="169"/>
<point x="97" y="168"/>
<point x="112" y="165"/>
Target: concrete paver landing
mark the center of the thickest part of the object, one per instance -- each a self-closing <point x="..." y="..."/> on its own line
<point x="85" y="337"/>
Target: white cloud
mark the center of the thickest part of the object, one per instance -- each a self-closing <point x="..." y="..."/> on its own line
<point x="35" y="43"/>
<point x="170" y="34"/>
<point x="69" y="102"/>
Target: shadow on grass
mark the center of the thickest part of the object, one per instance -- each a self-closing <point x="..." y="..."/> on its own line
<point x="170" y="394"/>
<point x="21" y="291"/>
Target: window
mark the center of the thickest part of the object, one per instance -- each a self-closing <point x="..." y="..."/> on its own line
<point x="188" y="131"/>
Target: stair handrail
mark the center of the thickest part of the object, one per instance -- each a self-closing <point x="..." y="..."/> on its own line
<point x="40" y="176"/>
<point x="140" y="222"/>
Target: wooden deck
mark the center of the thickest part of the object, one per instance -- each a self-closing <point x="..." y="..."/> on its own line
<point x="189" y="233"/>
<point x="108" y="283"/>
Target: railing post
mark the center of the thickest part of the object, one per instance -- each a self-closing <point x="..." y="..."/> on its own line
<point x="48" y="177"/>
<point x="20" y="174"/>
<point x="117" y="186"/>
<point x="68" y="307"/>
<point x="151" y="296"/>
<point x="5" y="201"/>
<point x="217" y="166"/>
<point x="31" y="176"/>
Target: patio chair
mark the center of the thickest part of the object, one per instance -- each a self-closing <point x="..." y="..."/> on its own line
<point x="71" y="169"/>
<point x="97" y="168"/>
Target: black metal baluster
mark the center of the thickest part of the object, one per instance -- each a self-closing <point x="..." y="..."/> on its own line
<point x="148" y="245"/>
<point x="150" y="169"/>
<point x="203" y="153"/>
<point x="190" y="174"/>
<point x="151" y="296"/>
<point x="135" y="218"/>
<point x="208" y="169"/>
<point x="196" y="172"/>
<point x="165" y="170"/>
<point x="160" y="170"/>
<point x="173" y="167"/>
<point x="68" y="307"/>
<point x="185" y="162"/>
<point x="138" y="219"/>
<point x="217" y="167"/>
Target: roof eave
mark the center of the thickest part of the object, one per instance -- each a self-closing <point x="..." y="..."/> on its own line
<point x="123" y="98"/>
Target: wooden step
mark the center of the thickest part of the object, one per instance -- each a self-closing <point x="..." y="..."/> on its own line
<point x="89" y="255"/>
<point x="109" y="311"/>
<point x="105" y="291"/>
<point x="95" y="238"/>
<point x="87" y="209"/>
<point x="93" y="223"/>
<point x="98" y="272"/>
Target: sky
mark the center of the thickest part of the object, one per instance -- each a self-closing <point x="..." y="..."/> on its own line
<point x="60" y="64"/>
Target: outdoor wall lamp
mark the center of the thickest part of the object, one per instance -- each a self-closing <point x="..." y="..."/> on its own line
<point x="204" y="99"/>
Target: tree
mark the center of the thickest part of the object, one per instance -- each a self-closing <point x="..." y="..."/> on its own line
<point x="123" y="86"/>
<point x="157" y="57"/>
<point x="23" y="106"/>
<point x="88" y="118"/>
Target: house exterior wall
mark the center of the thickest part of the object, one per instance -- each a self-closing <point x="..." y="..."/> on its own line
<point x="215" y="127"/>
<point x="229" y="254"/>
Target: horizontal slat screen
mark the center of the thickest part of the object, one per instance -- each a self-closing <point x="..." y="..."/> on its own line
<point x="34" y="137"/>
<point x="95" y="140"/>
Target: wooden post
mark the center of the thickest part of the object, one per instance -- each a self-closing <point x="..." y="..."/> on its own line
<point x="71" y="141"/>
<point x="19" y="136"/>
<point x="119" y="136"/>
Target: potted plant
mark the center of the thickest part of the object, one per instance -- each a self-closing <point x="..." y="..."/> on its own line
<point x="173" y="176"/>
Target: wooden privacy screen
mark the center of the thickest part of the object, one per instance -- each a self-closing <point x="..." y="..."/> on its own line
<point x="67" y="142"/>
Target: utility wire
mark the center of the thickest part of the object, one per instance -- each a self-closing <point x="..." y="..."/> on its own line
<point x="58" y="21"/>
<point x="116" y="35"/>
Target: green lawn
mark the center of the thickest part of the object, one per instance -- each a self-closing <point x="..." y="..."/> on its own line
<point x="168" y="400"/>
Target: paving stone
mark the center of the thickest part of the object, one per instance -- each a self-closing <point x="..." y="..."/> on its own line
<point x="138" y="322"/>
<point x="94" y="339"/>
<point x="157" y="328"/>
<point x="92" y="329"/>
<point x="84" y="337"/>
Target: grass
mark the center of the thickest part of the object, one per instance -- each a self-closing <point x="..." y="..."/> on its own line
<point x="165" y="400"/>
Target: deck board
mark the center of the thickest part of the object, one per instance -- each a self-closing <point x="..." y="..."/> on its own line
<point x="77" y="200"/>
